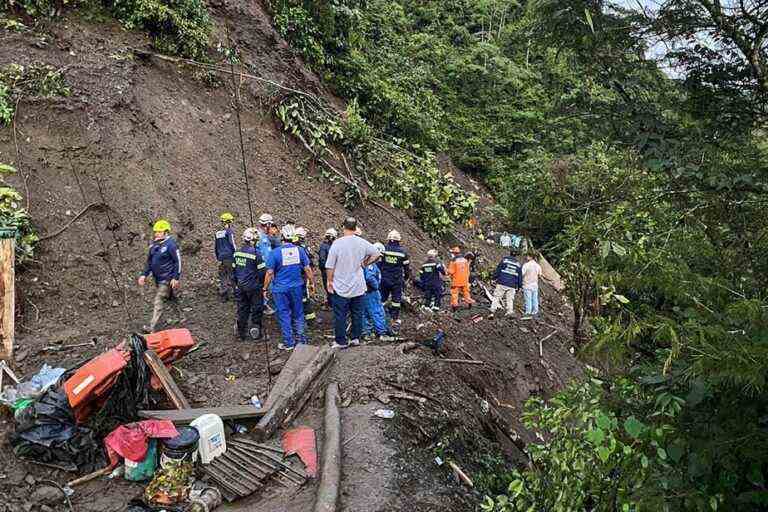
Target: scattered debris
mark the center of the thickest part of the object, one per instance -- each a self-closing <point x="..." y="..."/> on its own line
<point x="166" y="380"/>
<point x="386" y="414"/>
<point x="545" y="338"/>
<point x="301" y="441"/>
<point x="187" y="416"/>
<point x="460" y="475"/>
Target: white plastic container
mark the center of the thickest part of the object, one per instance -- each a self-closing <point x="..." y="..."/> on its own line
<point x="212" y="440"/>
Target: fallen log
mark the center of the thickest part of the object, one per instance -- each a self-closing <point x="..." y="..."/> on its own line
<point x="284" y="403"/>
<point x="185" y="416"/>
<point x="327" y="496"/>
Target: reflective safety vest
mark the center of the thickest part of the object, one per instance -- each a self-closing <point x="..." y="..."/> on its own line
<point x="249" y="268"/>
<point x="395" y="264"/>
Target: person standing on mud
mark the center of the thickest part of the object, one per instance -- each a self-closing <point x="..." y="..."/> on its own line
<point x="224" y="247"/>
<point x="286" y="266"/>
<point x="309" y="304"/>
<point x="249" y="273"/>
<point x="322" y="257"/>
<point x="395" y="268"/>
<point x="531" y="273"/>
<point x="346" y="282"/>
<point x="509" y="279"/>
<point x="458" y="270"/>
<point x="430" y="281"/>
<point x="164" y="264"/>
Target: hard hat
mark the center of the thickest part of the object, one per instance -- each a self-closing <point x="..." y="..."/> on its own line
<point x="266" y="219"/>
<point x="394" y="235"/>
<point x="227" y="217"/>
<point x="301" y="232"/>
<point x="249" y="235"/>
<point x="432" y="253"/>
<point x="288" y="232"/>
<point x="379" y="246"/>
<point x="161" y="225"/>
<point x="455" y="249"/>
<point x="331" y="232"/>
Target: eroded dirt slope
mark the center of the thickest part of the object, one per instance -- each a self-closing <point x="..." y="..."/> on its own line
<point x="157" y="142"/>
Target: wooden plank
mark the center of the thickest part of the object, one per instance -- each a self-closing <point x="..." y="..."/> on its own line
<point x="7" y="293"/>
<point x="164" y="376"/>
<point x="301" y="356"/>
<point x="286" y="402"/>
<point x="186" y="416"/>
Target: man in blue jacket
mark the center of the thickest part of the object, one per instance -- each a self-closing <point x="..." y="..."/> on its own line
<point x="430" y="281"/>
<point x="286" y="266"/>
<point x="224" y="247"/>
<point x="164" y="264"/>
<point x="374" y="318"/>
<point x="248" y="277"/>
<point x="395" y="269"/>
<point x="509" y="279"/>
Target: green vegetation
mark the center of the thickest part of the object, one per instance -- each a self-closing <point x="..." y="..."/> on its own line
<point x="402" y="178"/>
<point x="12" y="215"/>
<point x="648" y="191"/>
<point x="178" y="27"/>
<point x="37" y="80"/>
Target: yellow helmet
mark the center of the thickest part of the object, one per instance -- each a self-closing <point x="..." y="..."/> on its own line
<point x="226" y="217"/>
<point x="161" y="225"/>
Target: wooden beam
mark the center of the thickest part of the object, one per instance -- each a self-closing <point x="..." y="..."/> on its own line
<point x="7" y="292"/>
<point x="285" y="403"/>
<point x="164" y="376"/>
<point x="327" y="496"/>
<point x="186" y="416"/>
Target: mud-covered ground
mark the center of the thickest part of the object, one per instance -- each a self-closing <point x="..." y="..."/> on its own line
<point x="150" y="140"/>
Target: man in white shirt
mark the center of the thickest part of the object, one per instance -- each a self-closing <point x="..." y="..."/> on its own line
<point x="531" y="273"/>
<point x="346" y="281"/>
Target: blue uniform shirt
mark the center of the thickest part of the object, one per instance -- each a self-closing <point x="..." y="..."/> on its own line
<point x="372" y="275"/>
<point x="394" y="263"/>
<point x="430" y="275"/>
<point x="322" y="254"/>
<point x="288" y="263"/>
<point x="264" y="246"/>
<point x="224" y="244"/>
<point x="509" y="273"/>
<point x="163" y="261"/>
<point x="249" y="268"/>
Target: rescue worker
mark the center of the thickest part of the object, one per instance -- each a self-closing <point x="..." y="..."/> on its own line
<point x="285" y="266"/>
<point x="164" y="264"/>
<point x="374" y="318"/>
<point x="264" y="245"/>
<point x="248" y="278"/>
<point x="309" y="306"/>
<point x="395" y="269"/>
<point x="509" y="279"/>
<point x="322" y="257"/>
<point x="430" y="281"/>
<point x="224" y="247"/>
<point x="458" y="270"/>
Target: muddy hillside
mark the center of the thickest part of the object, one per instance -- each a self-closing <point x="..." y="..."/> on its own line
<point x="140" y="138"/>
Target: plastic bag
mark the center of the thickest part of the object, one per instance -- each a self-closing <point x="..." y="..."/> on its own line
<point x="143" y="469"/>
<point x="33" y="388"/>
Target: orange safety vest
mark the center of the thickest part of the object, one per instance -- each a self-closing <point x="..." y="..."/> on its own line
<point x="458" y="269"/>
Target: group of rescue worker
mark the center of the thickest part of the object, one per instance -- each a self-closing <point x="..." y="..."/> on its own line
<point x="272" y="272"/>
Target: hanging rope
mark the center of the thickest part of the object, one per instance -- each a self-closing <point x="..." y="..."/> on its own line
<point x="236" y="90"/>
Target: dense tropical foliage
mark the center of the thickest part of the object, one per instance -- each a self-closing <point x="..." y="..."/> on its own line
<point x="628" y="139"/>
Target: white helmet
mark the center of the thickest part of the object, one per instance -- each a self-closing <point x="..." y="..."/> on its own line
<point x="394" y="235"/>
<point x="249" y="235"/>
<point x="379" y="246"/>
<point x="331" y="232"/>
<point x="301" y="232"/>
<point x="432" y="253"/>
<point x="288" y="232"/>
<point x="266" y="219"/>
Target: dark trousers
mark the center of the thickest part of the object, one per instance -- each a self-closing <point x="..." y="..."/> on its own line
<point x="394" y="291"/>
<point x="250" y="304"/>
<point x="324" y="276"/>
<point x="343" y="307"/>
<point x="433" y="297"/>
<point x="225" y="278"/>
